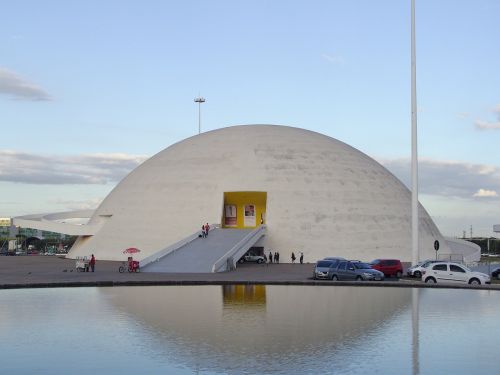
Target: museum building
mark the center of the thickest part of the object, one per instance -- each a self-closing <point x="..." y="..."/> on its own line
<point x="263" y="187"/>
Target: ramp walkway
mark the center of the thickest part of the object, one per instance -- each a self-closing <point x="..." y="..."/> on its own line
<point x="218" y="252"/>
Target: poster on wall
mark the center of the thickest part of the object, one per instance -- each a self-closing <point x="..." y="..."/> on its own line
<point x="249" y="219"/>
<point x="230" y="215"/>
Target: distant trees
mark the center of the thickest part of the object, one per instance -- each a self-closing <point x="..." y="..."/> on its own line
<point x="483" y="243"/>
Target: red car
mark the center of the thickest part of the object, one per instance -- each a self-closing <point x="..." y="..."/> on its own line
<point x="390" y="267"/>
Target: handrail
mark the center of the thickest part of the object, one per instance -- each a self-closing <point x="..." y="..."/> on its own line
<point x="172" y="248"/>
<point x="245" y="240"/>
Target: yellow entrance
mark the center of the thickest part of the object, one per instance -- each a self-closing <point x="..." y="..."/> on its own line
<point x="244" y="209"/>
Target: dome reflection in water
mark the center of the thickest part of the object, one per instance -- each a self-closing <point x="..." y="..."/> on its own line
<point x="236" y="328"/>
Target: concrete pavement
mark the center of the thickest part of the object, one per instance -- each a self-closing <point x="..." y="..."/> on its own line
<point x="51" y="271"/>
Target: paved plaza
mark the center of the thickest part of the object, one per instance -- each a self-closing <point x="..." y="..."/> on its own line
<point x="51" y="271"/>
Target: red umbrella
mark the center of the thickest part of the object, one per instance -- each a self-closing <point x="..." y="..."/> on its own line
<point x="131" y="250"/>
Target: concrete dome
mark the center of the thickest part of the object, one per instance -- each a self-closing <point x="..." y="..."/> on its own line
<point x="321" y="197"/>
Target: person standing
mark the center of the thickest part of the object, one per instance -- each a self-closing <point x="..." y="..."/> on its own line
<point x="207" y="228"/>
<point x="301" y="257"/>
<point x="270" y="256"/>
<point x="203" y="231"/>
<point x="293" y="257"/>
<point x="92" y="263"/>
<point x="277" y="257"/>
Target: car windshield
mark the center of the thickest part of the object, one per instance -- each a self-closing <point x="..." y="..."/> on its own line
<point x="376" y="261"/>
<point x="323" y="263"/>
<point x="362" y="266"/>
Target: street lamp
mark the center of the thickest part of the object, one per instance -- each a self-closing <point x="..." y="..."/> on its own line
<point x="199" y="100"/>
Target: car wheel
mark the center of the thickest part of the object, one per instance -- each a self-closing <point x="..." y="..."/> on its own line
<point x="359" y="278"/>
<point x="241" y="260"/>
<point x="417" y="274"/>
<point x="259" y="261"/>
<point x="430" y="280"/>
<point x="335" y="278"/>
<point x="399" y="274"/>
<point x="474" y="282"/>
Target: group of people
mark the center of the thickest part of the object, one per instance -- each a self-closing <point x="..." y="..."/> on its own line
<point x="301" y="259"/>
<point x="204" y="230"/>
<point x="273" y="258"/>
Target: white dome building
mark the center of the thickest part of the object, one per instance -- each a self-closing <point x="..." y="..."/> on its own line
<point x="315" y="195"/>
<point x="312" y="193"/>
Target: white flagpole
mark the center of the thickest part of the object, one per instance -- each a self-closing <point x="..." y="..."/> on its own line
<point x="414" y="157"/>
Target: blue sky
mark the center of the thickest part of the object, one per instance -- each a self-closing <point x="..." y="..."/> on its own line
<point x="88" y="89"/>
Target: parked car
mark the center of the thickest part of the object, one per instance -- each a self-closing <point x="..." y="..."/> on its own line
<point x="250" y="256"/>
<point x="496" y="274"/>
<point x="354" y="270"/>
<point x="390" y="267"/>
<point x="448" y="272"/>
<point x="416" y="270"/>
<point x="321" y="268"/>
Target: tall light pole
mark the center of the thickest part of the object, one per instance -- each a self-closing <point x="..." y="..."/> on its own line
<point x="414" y="158"/>
<point x="199" y="100"/>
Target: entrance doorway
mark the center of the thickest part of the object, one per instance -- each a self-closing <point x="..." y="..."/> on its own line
<point x="244" y="209"/>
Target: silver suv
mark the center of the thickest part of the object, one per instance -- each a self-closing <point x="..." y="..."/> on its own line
<point x="354" y="270"/>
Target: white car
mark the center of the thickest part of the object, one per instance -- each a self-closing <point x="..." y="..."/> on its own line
<point x="448" y="272"/>
<point x="416" y="270"/>
<point x="251" y="257"/>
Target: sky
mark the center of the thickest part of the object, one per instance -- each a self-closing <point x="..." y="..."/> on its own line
<point x="90" y="89"/>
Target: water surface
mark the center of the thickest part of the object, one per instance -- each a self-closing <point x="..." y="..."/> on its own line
<point x="248" y="330"/>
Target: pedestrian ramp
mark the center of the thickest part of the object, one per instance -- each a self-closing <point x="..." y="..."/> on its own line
<point x="216" y="253"/>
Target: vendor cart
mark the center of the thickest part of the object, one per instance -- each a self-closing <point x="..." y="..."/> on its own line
<point x="82" y="264"/>
<point x="131" y="266"/>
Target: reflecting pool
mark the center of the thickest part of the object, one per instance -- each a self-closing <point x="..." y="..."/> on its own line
<point x="248" y="330"/>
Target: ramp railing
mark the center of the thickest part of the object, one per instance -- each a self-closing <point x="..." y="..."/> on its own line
<point x="173" y="248"/>
<point x="228" y="260"/>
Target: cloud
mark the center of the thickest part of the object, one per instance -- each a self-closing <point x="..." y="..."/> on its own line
<point x="496" y="110"/>
<point x="489" y="125"/>
<point x="447" y="178"/>
<point x="333" y="59"/>
<point x="485" y="193"/>
<point x="15" y="86"/>
<point x="73" y="205"/>
<point x="59" y="170"/>
<point x="486" y="125"/>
